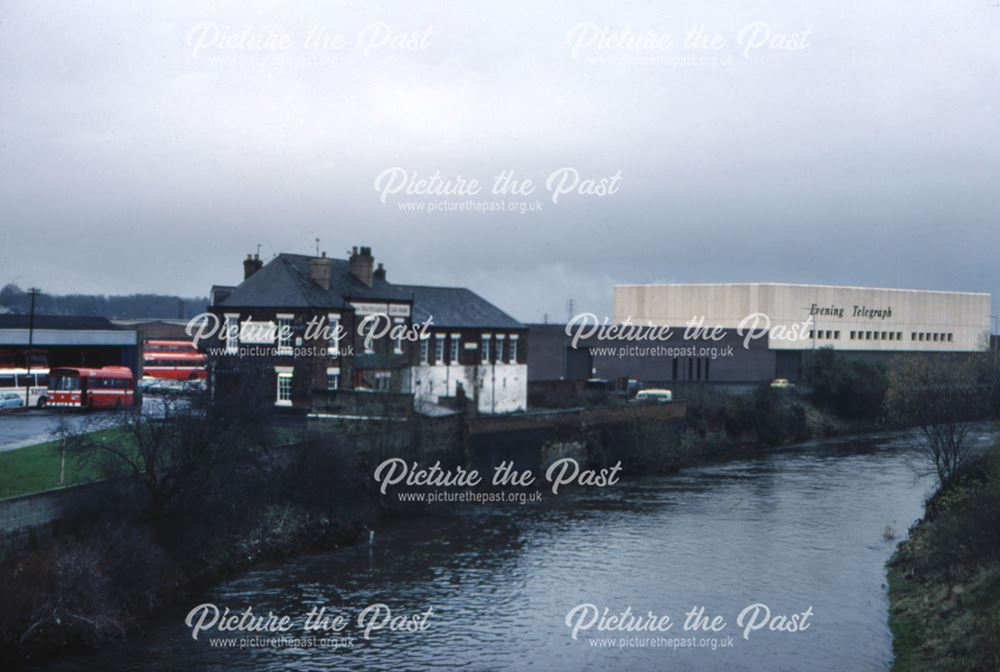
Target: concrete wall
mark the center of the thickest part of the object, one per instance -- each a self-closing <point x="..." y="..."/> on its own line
<point x="359" y="404"/>
<point x="534" y="440"/>
<point x="27" y="516"/>
<point x="881" y="319"/>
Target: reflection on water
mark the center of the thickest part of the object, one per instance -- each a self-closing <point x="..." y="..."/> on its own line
<point x="793" y="529"/>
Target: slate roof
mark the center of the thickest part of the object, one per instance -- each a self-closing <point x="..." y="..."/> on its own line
<point x="286" y="282"/>
<point x="457" y="307"/>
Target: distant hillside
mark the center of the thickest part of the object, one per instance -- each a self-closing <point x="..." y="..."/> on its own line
<point x="131" y="306"/>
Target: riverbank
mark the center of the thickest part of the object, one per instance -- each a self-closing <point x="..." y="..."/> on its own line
<point x="99" y="580"/>
<point x="944" y="580"/>
<point x="794" y="527"/>
<point x="721" y="427"/>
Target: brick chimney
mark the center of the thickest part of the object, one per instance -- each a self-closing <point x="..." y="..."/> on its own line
<point x="251" y="265"/>
<point x="363" y="265"/>
<point x="380" y="273"/>
<point x="320" y="269"/>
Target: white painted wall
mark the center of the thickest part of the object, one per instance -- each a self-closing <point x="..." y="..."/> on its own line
<point x="497" y="388"/>
<point x="965" y="315"/>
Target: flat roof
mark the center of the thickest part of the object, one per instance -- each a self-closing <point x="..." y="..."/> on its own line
<point x="795" y="284"/>
<point x="63" y="330"/>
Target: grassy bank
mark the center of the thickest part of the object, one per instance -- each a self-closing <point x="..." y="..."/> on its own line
<point x="36" y="468"/>
<point x="944" y="580"/>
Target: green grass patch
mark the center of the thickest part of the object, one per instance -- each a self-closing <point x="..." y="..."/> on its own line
<point x="36" y="468"/>
<point x="907" y="633"/>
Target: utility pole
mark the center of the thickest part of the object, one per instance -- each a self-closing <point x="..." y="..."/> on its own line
<point x="570" y="310"/>
<point x="32" y="292"/>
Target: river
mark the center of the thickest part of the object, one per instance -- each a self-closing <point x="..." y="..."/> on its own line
<point x="794" y="529"/>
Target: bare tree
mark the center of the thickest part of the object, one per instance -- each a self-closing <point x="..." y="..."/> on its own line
<point x="943" y="400"/>
<point x="174" y="441"/>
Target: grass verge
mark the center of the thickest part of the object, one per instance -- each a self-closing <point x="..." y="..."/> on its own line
<point x="36" y="468"/>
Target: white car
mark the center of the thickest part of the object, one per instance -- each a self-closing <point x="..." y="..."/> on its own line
<point x="653" y="396"/>
<point x="10" y="400"/>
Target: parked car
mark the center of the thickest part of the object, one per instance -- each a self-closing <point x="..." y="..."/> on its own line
<point x="653" y="396"/>
<point x="782" y="384"/>
<point x="9" y="400"/>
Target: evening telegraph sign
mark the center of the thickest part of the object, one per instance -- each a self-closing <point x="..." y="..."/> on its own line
<point x="857" y="311"/>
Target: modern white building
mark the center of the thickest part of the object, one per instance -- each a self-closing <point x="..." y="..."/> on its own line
<point x="765" y="328"/>
<point x="802" y="317"/>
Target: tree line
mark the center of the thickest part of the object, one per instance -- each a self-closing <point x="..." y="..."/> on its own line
<point x="123" y="306"/>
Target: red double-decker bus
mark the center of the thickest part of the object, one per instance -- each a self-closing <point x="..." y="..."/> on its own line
<point x="107" y="387"/>
<point x="173" y="360"/>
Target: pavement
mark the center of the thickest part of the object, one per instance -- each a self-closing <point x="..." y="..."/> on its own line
<point x="26" y="428"/>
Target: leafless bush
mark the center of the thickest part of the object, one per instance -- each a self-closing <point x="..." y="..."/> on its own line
<point x="941" y="399"/>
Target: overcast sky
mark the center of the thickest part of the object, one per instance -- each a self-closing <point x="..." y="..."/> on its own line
<point x="148" y="148"/>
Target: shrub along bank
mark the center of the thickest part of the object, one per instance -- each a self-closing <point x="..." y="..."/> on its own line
<point x="944" y="580"/>
<point x="720" y="425"/>
<point x="205" y="497"/>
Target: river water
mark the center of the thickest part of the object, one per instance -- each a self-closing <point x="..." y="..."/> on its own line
<point x="795" y="529"/>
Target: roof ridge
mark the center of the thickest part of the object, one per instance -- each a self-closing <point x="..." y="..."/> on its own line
<point x="466" y="289"/>
<point x="295" y="280"/>
<point x="309" y="256"/>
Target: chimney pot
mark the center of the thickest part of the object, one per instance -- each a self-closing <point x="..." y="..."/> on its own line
<point x="251" y="265"/>
<point x="320" y="269"/>
<point x="362" y="265"/>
